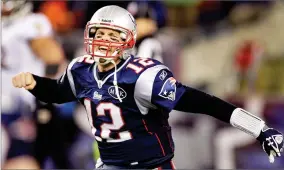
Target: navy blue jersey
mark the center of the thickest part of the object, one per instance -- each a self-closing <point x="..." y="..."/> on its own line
<point x="135" y="131"/>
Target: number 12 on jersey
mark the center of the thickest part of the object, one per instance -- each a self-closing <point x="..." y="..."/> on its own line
<point x="115" y="114"/>
<point x="143" y="61"/>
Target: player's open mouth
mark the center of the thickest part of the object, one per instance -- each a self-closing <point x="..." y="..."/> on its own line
<point x="103" y="49"/>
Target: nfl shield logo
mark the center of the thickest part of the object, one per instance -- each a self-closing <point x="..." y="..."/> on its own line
<point x="168" y="90"/>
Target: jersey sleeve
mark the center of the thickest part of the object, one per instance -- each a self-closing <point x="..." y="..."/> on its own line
<point x="36" y="26"/>
<point x="56" y="91"/>
<point x="67" y="77"/>
<point x="53" y="91"/>
<point x="166" y="90"/>
<point x="156" y="88"/>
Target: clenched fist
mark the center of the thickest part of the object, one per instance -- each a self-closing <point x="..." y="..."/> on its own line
<point x="25" y="80"/>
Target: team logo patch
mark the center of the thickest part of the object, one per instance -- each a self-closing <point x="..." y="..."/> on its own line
<point x="97" y="96"/>
<point x="163" y="75"/>
<point x="112" y="92"/>
<point x="168" y="90"/>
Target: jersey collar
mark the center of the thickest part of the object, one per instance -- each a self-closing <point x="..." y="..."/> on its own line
<point x="102" y="82"/>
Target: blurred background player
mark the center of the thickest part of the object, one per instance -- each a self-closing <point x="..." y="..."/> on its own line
<point x="27" y="45"/>
<point x="51" y="149"/>
<point x="249" y="59"/>
<point x="150" y="16"/>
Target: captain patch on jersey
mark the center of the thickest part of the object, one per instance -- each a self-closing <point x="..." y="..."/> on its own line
<point x="169" y="88"/>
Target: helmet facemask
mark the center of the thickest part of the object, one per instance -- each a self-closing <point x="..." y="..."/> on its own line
<point x="92" y="44"/>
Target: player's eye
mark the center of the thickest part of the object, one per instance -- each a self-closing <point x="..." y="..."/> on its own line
<point x="98" y="36"/>
<point x="114" y="39"/>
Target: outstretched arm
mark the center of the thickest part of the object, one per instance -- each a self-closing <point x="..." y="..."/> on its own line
<point x="45" y="89"/>
<point x="196" y="101"/>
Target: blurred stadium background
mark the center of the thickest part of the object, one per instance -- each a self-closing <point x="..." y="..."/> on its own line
<point x="232" y="49"/>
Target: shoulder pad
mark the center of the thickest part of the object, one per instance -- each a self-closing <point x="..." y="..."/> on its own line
<point x="86" y="59"/>
<point x="82" y="61"/>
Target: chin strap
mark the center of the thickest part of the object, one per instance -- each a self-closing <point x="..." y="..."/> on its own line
<point x="110" y="60"/>
<point x="107" y="60"/>
<point x="115" y="81"/>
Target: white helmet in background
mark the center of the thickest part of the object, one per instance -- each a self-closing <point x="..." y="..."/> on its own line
<point x="13" y="9"/>
<point x="116" y="18"/>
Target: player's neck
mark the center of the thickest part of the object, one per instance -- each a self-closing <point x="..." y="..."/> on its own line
<point x="107" y="67"/>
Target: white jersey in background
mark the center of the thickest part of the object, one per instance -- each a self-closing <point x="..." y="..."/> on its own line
<point x="149" y="47"/>
<point x="17" y="56"/>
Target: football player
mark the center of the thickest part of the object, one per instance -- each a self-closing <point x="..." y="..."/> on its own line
<point x="27" y="45"/>
<point x="128" y="99"/>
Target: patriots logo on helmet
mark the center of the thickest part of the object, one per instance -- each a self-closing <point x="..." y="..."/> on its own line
<point x="168" y="90"/>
